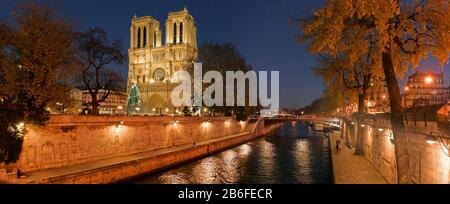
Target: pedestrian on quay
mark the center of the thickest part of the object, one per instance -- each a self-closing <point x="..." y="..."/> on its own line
<point x="338" y="146"/>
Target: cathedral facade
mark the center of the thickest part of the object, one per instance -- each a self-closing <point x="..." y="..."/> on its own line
<point x="152" y="62"/>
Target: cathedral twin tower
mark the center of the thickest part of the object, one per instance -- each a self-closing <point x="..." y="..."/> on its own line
<point x="152" y="63"/>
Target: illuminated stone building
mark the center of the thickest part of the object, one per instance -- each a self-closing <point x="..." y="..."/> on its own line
<point x="152" y="62"/>
<point x="425" y="88"/>
<point x="114" y="104"/>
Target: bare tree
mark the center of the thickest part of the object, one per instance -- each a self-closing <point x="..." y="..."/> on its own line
<point x="95" y="53"/>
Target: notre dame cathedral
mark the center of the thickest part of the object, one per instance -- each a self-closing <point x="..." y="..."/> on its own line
<point x="152" y="62"/>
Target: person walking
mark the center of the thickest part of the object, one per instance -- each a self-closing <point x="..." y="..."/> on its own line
<point x="338" y="146"/>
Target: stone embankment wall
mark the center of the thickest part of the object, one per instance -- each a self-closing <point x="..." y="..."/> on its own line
<point x="71" y="142"/>
<point x="429" y="162"/>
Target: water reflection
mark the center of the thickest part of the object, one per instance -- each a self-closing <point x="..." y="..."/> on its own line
<point x="293" y="154"/>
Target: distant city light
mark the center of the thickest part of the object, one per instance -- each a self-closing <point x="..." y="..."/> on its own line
<point x="429" y="80"/>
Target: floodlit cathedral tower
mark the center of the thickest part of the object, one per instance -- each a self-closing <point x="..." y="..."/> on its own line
<point x="152" y="63"/>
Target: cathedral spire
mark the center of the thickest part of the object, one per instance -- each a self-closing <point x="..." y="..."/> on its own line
<point x="185" y="6"/>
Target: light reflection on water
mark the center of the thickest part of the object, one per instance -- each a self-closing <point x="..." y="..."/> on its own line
<point x="292" y="155"/>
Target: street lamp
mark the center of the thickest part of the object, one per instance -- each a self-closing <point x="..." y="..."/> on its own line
<point x="435" y="137"/>
<point x="429" y="80"/>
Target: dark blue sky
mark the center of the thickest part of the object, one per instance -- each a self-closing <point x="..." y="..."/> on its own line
<point x="259" y="28"/>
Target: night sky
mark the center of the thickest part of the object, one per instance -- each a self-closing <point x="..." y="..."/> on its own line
<point x="259" y="28"/>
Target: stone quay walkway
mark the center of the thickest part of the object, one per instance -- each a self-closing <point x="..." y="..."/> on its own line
<point x="351" y="169"/>
<point x="100" y="165"/>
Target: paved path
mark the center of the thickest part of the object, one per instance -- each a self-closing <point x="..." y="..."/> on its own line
<point x="351" y="169"/>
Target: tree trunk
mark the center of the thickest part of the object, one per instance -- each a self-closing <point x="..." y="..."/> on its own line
<point x="95" y="110"/>
<point x="347" y="130"/>
<point x="359" y="121"/>
<point x="398" y="127"/>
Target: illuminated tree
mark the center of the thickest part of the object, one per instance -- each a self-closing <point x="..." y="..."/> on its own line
<point x="134" y="99"/>
<point x="36" y="58"/>
<point x="348" y="74"/>
<point x="405" y="32"/>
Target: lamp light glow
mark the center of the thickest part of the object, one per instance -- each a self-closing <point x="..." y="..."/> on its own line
<point x="431" y="140"/>
<point x="20" y="125"/>
<point x="429" y="80"/>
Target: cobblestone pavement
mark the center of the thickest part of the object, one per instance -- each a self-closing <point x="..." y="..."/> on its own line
<point x="351" y="169"/>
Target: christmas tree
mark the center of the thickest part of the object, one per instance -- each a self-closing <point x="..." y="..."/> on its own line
<point x="134" y="100"/>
